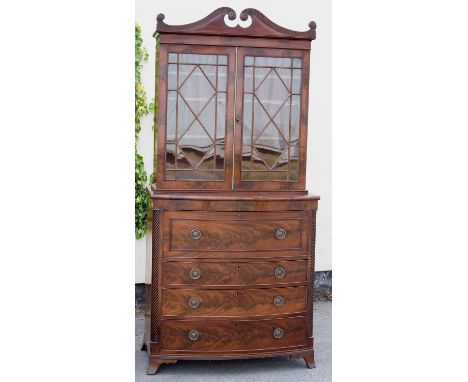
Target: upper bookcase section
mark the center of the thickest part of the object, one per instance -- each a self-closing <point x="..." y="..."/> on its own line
<point x="215" y="24"/>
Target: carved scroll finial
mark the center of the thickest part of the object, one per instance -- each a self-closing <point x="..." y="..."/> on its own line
<point x="259" y="18"/>
<point x="160" y="17"/>
<point x="214" y="24"/>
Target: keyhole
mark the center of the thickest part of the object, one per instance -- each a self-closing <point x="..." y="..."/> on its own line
<point x="237" y="294"/>
<point x="238" y="267"/>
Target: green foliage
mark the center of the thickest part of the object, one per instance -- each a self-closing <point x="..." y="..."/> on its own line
<point x="141" y="109"/>
<point x="141" y="106"/>
<point x="141" y="197"/>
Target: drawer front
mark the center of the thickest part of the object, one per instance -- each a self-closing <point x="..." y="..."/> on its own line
<point x="189" y="232"/>
<point x="233" y="273"/>
<point x="232" y="302"/>
<point x="233" y="335"/>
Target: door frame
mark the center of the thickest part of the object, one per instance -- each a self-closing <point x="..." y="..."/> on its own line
<point x="160" y="144"/>
<point x="261" y="185"/>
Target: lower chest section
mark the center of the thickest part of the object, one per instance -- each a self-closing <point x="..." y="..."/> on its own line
<point x="233" y="281"/>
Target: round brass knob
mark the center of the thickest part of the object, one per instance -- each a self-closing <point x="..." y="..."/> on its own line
<point x="280" y="233"/>
<point x="278" y="300"/>
<point x="194" y="303"/>
<point x="193" y="335"/>
<point x="195" y="234"/>
<point x="278" y="333"/>
<point x="280" y="272"/>
<point x="195" y="274"/>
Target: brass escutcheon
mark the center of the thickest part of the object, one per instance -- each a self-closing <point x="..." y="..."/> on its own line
<point x="195" y="234"/>
<point x="194" y="302"/>
<point x="280" y="233"/>
<point x="278" y="333"/>
<point x="193" y="335"/>
<point x="195" y="274"/>
<point x="278" y="300"/>
<point x="280" y="272"/>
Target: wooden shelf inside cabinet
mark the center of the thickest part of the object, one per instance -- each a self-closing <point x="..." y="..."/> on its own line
<point x="233" y="225"/>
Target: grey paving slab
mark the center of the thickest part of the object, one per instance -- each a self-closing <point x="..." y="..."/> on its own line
<point x="255" y="370"/>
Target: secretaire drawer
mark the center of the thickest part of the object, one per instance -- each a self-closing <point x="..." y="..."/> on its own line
<point x="233" y="302"/>
<point x="219" y="335"/>
<point x="204" y="273"/>
<point x="217" y="233"/>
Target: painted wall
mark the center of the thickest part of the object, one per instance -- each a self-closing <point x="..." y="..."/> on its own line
<point x="296" y="15"/>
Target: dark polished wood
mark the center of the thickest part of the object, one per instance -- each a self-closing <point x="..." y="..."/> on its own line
<point x="239" y="274"/>
<point x="233" y="302"/>
<point x="235" y="232"/>
<point x="233" y="250"/>
<point x="214" y="24"/>
<point x="233" y="335"/>
<point x="154" y="364"/>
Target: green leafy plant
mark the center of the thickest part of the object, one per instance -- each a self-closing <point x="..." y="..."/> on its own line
<point x="141" y="109"/>
<point x="153" y="108"/>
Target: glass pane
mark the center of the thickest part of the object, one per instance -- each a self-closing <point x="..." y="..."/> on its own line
<point x="282" y="119"/>
<point x="282" y="162"/>
<point x="273" y="153"/>
<point x="197" y="59"/>
<point x="222" y="78"/>
<point x="247" y="120"/>
<point x="257" y="161"/>
<point x="172" y="77"/>
<point x="210" y="72"/>
<point x="285" y="76"/>
<point x="196" y="117"/>
<point x="171" y="116"/>
<point x="293" y="163"/>
<point x="295" y="119"/>
<point x="249" y="60"/>
<point x="184" y="116"/>
<point x="208" y="162"/>
<point x="189" y="158"/>
<point x="261" y="118"/>
<point x="195" y="137"/>
<point x="172" y="57"/>
<point x="296" y="82"/>
<point x="272" y="61"/>
<point x="269" y="153"/>
<point x="170" y="156"/>
<point x="221" y="118"/>
<point x="246" y="154"/>
<point x="272" y="93"/>
<point x="222" y="60"/>
<point x="297" y="63"/>
<point x="184" y="71"/>
<point x="248" y="80"/>
<point x="220" y="157"/>
<point x="260" y="74"/>
<point x="182" y="161"/>
<point x="197" y="90"/>
<point x="207" y="117"/>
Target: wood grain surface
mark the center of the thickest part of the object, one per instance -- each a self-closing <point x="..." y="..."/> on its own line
<point x="234" y="232"/>
<point x="233" y="302"/>
<point x="233" y="273"/>
<point x="233" y="335"/>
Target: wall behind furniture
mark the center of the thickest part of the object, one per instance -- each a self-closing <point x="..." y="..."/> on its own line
<point x="293" y="14"/>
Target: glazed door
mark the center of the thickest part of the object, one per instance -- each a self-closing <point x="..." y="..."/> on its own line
<point x="195" y="117"/>
<point x="271" y="116"/>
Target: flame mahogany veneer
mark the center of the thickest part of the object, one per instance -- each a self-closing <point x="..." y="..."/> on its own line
<point x="233" y="230"/>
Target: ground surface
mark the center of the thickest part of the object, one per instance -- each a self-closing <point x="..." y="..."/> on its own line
<point x="254" y="370"/>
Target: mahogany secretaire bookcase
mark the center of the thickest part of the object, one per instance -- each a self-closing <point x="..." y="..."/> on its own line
<point x="232" y="265"/>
